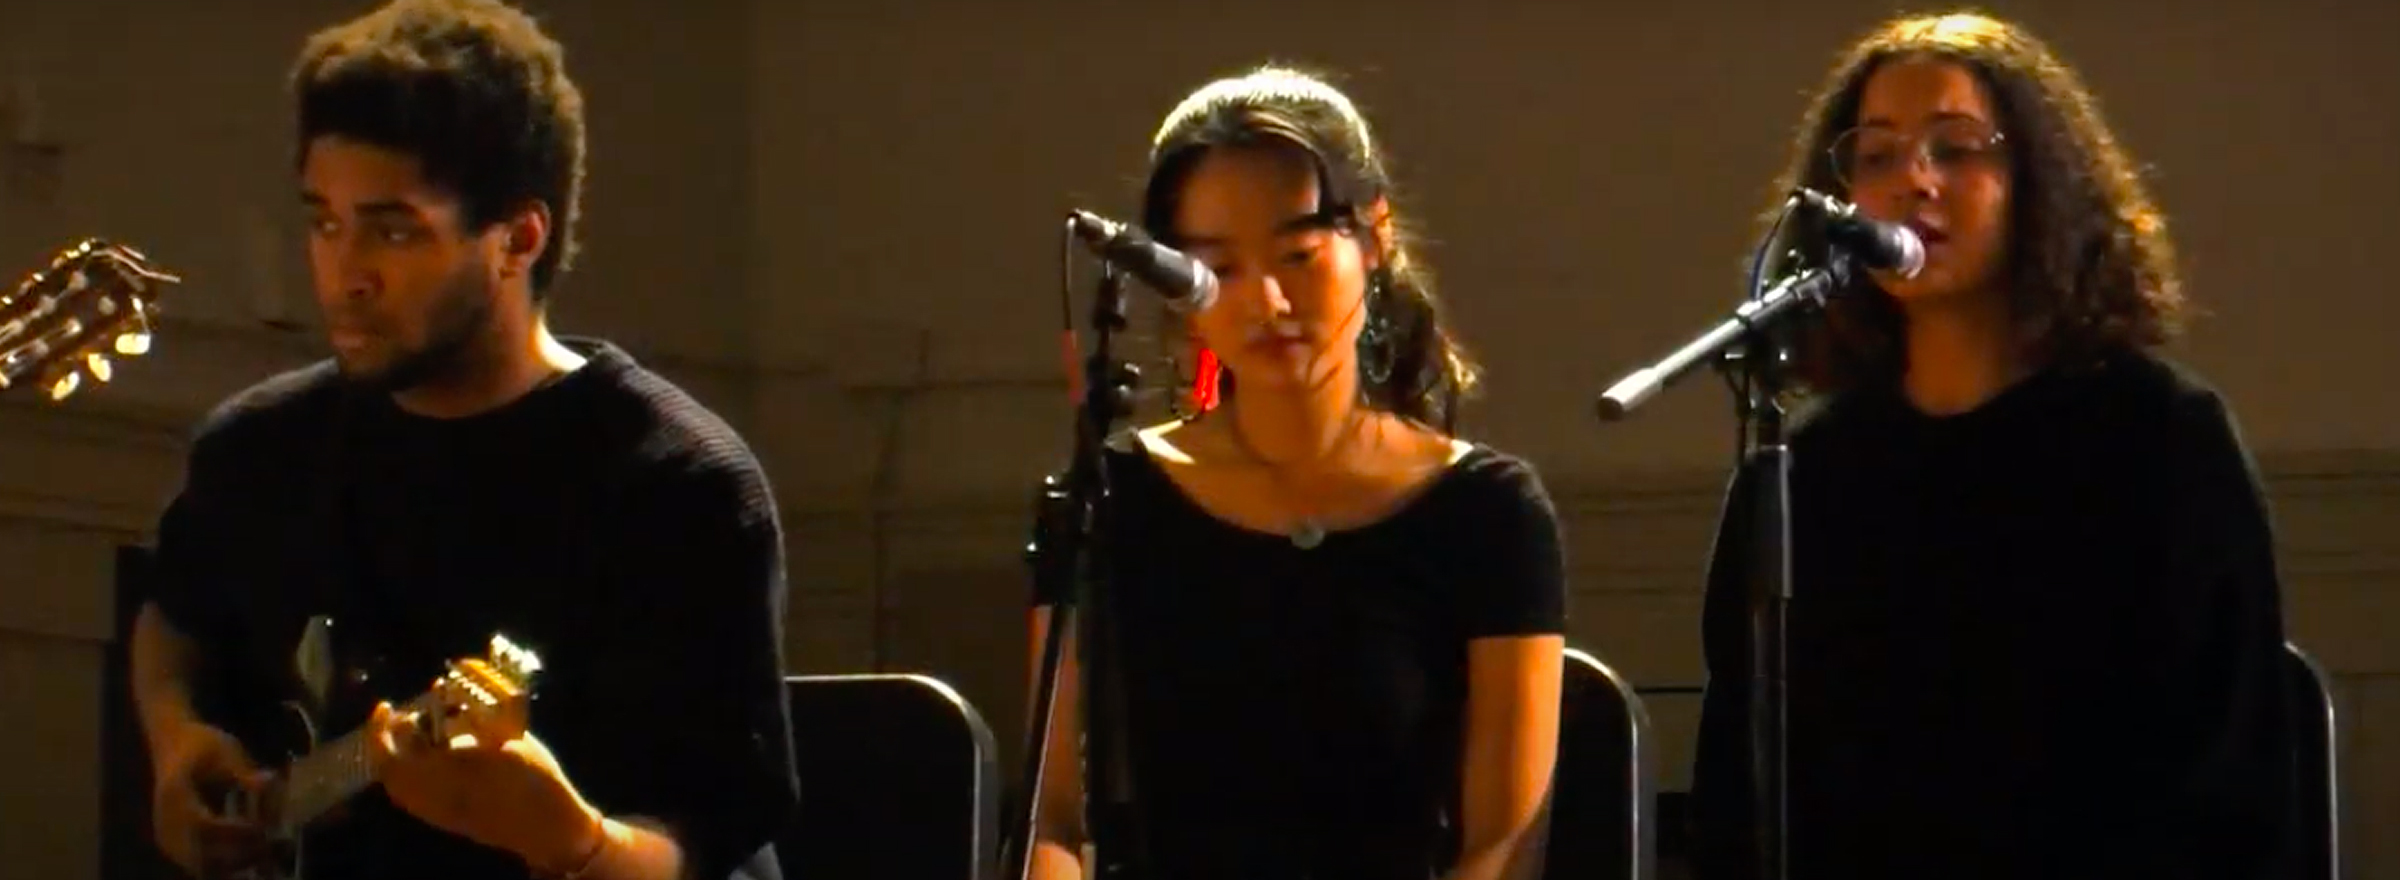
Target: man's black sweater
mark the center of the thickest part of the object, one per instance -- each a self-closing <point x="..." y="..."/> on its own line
<point x="607" y="520"/>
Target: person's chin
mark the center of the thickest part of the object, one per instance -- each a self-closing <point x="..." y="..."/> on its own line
<point x="1930" y="286"/>
<point x="364" y="368"/>
<point x="1274" y="380"/>
<point x="1267" y="365"/>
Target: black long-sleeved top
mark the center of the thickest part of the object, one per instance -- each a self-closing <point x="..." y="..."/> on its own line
<point x="2040" y="639"/>
<point x="606" y="520"/>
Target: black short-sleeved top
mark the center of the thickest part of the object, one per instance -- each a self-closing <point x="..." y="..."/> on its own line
<point x="1299" y="712"/>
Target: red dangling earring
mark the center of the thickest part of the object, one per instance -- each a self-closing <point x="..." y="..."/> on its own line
<point x="1204" y="382"/>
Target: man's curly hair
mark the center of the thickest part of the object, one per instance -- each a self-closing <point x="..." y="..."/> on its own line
<point x="474" y="91"/>
<point x="2091" y="269"/>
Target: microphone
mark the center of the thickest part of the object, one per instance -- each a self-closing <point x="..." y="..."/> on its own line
<point x="1187" y="285"/>
<point x="1874" y="243"/>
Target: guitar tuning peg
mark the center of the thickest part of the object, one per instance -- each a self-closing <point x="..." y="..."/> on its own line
<point x="133" y="343"/>
<point x="65" y="385"/>
<point x="97" y="364"/>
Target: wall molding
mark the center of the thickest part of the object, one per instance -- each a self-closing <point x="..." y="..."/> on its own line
<point x="2299" y="474"/>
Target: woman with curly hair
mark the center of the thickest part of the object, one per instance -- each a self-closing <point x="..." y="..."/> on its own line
<point x="2034" y="627"/>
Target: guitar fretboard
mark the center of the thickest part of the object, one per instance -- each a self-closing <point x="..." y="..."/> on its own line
<point x="332" y="773"/>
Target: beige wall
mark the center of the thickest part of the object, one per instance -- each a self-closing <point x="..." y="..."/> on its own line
<point x="836" y="223"/>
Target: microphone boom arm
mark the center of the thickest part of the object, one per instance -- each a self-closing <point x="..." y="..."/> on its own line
<point x="1758" y="316"/>
<point x="1747" y="344"/>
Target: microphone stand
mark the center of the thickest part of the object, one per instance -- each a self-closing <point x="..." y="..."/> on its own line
<point x="1748" y="349"/>
<point x="1074" y="524"/>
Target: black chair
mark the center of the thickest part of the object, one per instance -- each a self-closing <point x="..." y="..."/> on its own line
<point x="1601" y="826"/>
<point x="2315" y="765"/>
<point x="898" y="779"/>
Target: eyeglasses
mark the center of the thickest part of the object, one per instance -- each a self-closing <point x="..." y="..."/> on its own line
<point x="1875" y="154"/>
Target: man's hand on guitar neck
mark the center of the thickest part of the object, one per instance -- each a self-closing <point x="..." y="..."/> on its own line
<point x="510" y="795"/>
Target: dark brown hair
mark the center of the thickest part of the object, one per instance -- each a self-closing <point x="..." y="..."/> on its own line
<point x="2091" y="269"/>
<point x="474" y="91"/>
<point x="1279" y="107"/>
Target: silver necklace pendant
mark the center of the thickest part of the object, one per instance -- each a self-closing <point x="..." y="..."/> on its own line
<point x="1308" y="535"/>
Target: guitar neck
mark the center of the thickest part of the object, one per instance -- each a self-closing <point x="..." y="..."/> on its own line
<point x="331" y="773"/>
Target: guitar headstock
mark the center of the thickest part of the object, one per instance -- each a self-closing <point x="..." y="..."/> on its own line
<point x="488" y="697"/>
<point x="95" y="301"/>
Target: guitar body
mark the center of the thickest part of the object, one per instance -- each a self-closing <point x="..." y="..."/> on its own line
<point x="317" y="738"/>
<point x="330" y="691"/>
<point x="292" y="723"/>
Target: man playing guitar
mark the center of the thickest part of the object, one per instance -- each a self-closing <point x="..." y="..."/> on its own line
<point x="456" y="472"/>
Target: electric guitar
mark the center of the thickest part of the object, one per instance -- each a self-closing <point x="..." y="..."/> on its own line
<point x="485" y="696"/>
<point x="95" y="300"/>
